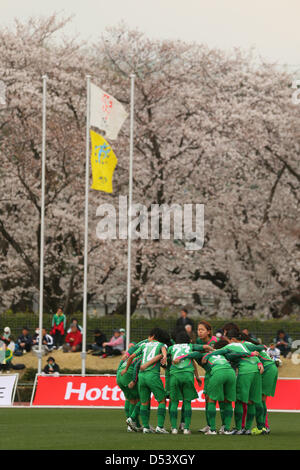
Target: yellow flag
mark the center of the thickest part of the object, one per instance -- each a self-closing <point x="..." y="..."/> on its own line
<point x="103" y="162"/>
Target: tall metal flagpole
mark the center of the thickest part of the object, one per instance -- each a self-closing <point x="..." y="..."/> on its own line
<point x="42" y="225"/>
<point x="128" y="305"/>
<point x="86" y="223"/>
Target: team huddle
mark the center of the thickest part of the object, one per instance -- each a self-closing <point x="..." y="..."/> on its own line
<point x="238" y="371"/>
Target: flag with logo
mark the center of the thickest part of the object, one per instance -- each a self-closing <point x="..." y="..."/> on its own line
<point x="104" y="162"/>
<point x="106" y="112"/>
<point x="2" y="93"/>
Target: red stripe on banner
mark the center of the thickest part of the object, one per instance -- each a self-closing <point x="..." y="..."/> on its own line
<point x="103" y="391"/>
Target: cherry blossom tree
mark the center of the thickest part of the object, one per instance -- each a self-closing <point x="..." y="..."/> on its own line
<point x="211" y="128"/>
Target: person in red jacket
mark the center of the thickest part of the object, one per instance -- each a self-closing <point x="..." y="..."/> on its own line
<point x="73" y="340"/>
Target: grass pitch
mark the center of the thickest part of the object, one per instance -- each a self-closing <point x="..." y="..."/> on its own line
<point x="92" y="429"/>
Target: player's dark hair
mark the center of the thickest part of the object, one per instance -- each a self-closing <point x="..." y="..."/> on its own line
<point x="155" y="332"/>
<point x="164" y="337"/>
<point x="233" y="333"/>
<point x="174" y="333"/>
<point x="280" y="331"/>
<point x="248" y="338"/>
<point x="182" y="337"/>
<point x="221" y="343"/>
<point x="230" y="326"/>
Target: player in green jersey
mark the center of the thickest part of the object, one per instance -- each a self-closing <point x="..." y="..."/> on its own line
<point x="182" y="381"/>
<point x="221" y="387"/>
<point x="249" y="389"/>
<point x="131" y="394"/>
<point x="128" y="406"/>
<point x="150" y="382"/>
<point x="269" y="379"/>
<point x="205" y="336"/>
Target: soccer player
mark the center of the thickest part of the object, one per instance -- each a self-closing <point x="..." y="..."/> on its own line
<point x="205" y="337"/>
<point x="249" y="383"/>
<point x="150" y="382"/>
<point x="269" y="379"/>
<point x="182" y="381"/>
<point x="221" y="387"/>
<point x="132" y="400"/>
<point x="131" y="379"/>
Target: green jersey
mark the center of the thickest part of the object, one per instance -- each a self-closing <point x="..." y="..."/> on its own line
<point x="132" y="371"/>
<point x="216" y="362"/>
<point x="148" y="351"/>
<point x="266" y="360"/>
<point x="196" y="353"/>
<point x="136" y="346"/>
<point x="58" y="319"/>
<point x="211" y="342"/>
<point x="240" y="356"/>
<point x="253" y="347"/>
<point x="177" y="351"/>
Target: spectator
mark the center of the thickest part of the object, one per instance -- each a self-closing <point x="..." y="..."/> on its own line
<point x="74" y="321"/>
<point x="115" y="346"/>
<point x="274" y="352"/>
<point x="184" y="320"/>
<point x="6" y="333"/>
<point x="24" y="342"/>
<point x="7" y="338"/>
<point x="73" y="340"/>
<point x="47" y="342"/>
<point x="51" y="368"/>
<point x="2" y="351"/>
<point x="58" y="328"/>
<point x="123" y="333"/>
<point x="190" y="332"/>
<point x="283" y="342"/>
<point x="97" y="345"/>
<point x="6" y="354"/>
<point x="35" y="340"/>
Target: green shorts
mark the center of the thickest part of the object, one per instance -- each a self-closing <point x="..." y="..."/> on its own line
<point x="148" y="383"/>
<point x="222" y="385"/>
<point x="269" y="381"/>
<point x="249" y="388"/>
<point x="130" y="393"/>
<point x="182" y="386"/>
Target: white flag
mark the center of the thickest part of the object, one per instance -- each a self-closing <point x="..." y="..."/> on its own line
<point x="2" y="93"/>
<point x="106" y="112"/>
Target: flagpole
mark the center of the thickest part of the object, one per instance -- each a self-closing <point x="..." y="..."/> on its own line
<point x="86" y="222"/>
<point x="128" y="305"/>
<point x="42" y="225"/>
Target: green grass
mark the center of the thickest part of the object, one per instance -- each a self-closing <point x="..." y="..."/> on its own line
<point x="105" y="429"/>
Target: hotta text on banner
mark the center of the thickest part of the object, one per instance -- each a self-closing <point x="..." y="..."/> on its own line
<point x="103" y="391"/>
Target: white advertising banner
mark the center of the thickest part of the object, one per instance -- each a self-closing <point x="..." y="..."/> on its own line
<point x="8" y="385"/>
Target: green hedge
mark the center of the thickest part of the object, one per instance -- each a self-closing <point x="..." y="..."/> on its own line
<point x="266" y="330"/>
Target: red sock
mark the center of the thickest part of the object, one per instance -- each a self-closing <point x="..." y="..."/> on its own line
<point x="267" y="423"/>
<point x="244" y="414"/>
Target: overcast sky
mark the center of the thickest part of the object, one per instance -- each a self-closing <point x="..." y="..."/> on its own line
<point x="271" y="26"/>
